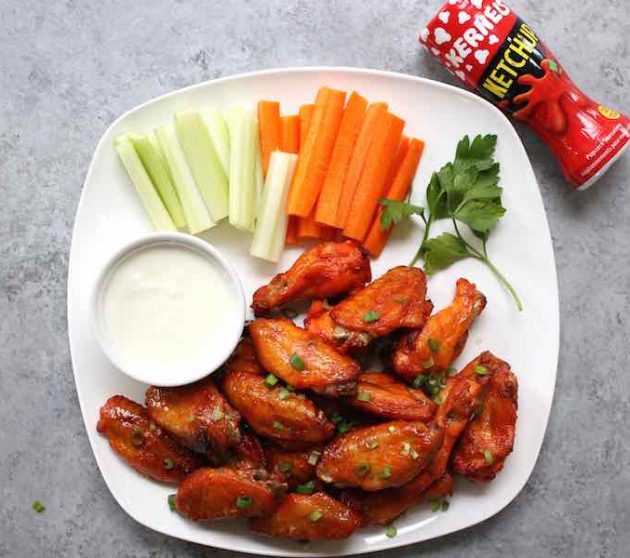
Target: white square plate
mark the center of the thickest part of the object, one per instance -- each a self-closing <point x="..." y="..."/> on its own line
<point x="109" y="213"/>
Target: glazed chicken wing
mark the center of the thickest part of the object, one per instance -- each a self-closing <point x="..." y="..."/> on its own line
<point x="489" y="438"/>
<point x="395" y="300"/>
<point x="197" y="415"/>
<point x="248" y="455"/>
<point x="309" y="517"/>
<point x="298" y="467"/>
<point x="378" y="457"/>
<point x="381" y="508"/>
<point x="442" y="339"/>
<point x="383" y="396"/>
<point x="326" y="270"/>
<point x="320" y="324"/>
<point x="222" y="493"/>
<point x="244" y="358"/>
<point x="297" y="357"/>
<point x="142" y="444"/>
<point x="275" y="412"/>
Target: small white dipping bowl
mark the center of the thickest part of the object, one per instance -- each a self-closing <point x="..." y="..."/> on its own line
<point x="217" y="354"/>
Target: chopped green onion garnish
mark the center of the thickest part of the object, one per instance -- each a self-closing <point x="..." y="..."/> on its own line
<point x="171" y="502"/>
<point x="406" y="449"/>
<point x="243" y="502"/>
<point x="306" y="488"/>
<point x="371" y="444"/>
<point x="314" y="457"/>
<point x="270" y="380"/>
<point x="436" y="505"/>
<point x="168" y="463"/>
<point x="336" y="418"/>
<point x="414" y="454"/>
<point x="38" y="506"/>
<point x="217" y="414"/>
<point x="487" y="454"/>
<point x="428" y="363"/>
<point x="297" y="362"/>
<point x="277" y="425"/>
<point x="284" y="467"/>
<point x="445" y="505"/>
<point x="371" y="316"/>
<point x="386" y="472"/>
<point x="344" y="426"/>
<point x="283" y="394"/>
<point x="418" y="381"/>
<point x="481" y="370"/>
<point x="391" y="531"/>
<point x="434" y="345"/>
<point x="315" y="516"/>
<point x="450" y="372"/>
<point x="290" y="387"/>
<point x="363" y="469"/>
<point x="438" y="399"/>
<point x="363" y="396"/>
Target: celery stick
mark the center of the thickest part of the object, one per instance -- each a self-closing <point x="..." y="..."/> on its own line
<point x="144" y="187"/>
<point x="204" y="162"/>
<point x="243" y="130"/>
<point x="158" y="172"/>
<point x="259" y="180"/>
<point x="217" y="128"/>
<point x="195" y="211"/>
<point x="271" y="226"/>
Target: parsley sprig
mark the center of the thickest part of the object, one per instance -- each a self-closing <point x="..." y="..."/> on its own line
<point x="467" y="192"/>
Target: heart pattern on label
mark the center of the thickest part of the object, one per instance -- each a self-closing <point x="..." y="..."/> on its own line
<point x="461" y="75"/>
<point x="424" y="35"/>
<point x="441" y="35"/>
<point x="444" y="16"/>
<point x="482" y="56"/>
<point x="493" y="40"/>
<point x="469" y="67"/>
<point x="435" y="51"/>
<point x="463" y="17"/>
<point x="477" y="3"/>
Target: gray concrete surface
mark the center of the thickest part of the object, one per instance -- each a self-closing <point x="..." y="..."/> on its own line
<point x="67" y="69"/>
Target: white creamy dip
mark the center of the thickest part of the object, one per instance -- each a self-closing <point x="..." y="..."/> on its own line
<point x="167" y="309"/>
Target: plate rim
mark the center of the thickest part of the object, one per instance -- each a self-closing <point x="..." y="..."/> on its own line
<point x="314" y="69"/>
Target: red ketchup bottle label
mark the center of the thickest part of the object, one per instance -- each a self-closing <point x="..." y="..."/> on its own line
<point x="486" y="45"/>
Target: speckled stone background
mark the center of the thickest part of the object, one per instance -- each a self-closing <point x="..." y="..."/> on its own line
<point x="67" y="69"/>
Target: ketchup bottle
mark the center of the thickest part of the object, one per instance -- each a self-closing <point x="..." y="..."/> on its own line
<point x="486" y="45"/>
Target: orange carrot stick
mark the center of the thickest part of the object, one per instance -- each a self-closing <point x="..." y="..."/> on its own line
<point x="291" y="238"/>
<point x="353" y="116"/>
<point x="315" y="157"/>
<point x="372" y="184"/>
<point x="308" y="228"/>
<point x="398" y="191"/>
<point x="306" y="113"/>
<point x="375" y="114"/>
<point x="401" y="153"/>
<point x="270" y="129"/>
<point x="290" y="136"/>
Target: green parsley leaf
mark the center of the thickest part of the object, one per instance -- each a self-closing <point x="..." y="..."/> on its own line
<point x="395" y="211"/>
<point x="442" y="251"/>
<point x="480" y="215"/>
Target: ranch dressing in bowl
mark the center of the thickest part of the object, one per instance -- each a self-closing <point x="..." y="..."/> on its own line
<point x="169" y="309"/>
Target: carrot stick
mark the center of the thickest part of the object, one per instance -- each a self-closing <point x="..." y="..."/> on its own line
<point x="270" y="129"/>
<point x="353" y="116"/>
<point x="291" y="238"/>
<point x="315" y="157"/>
<point x="372" y="184"/>
<point x="375" y="114"/>
<point x="401" y="153"/>
<point x="308" y="228"/>
<point x="398" y="191"/>
<point x="290" y="136"/>
<point x="306" y="113"/>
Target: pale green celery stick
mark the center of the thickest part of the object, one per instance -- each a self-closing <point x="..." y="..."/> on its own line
<point x="259" y="179"/>
<point x="144" y="187"/>
<point x="204" y="162"/>
<point x="158" y="172"/>
<point x="271" y="226"/>
<point x="241" y="125"/>
<point x="218" y="130"/>
<point x="195" y="210"/>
